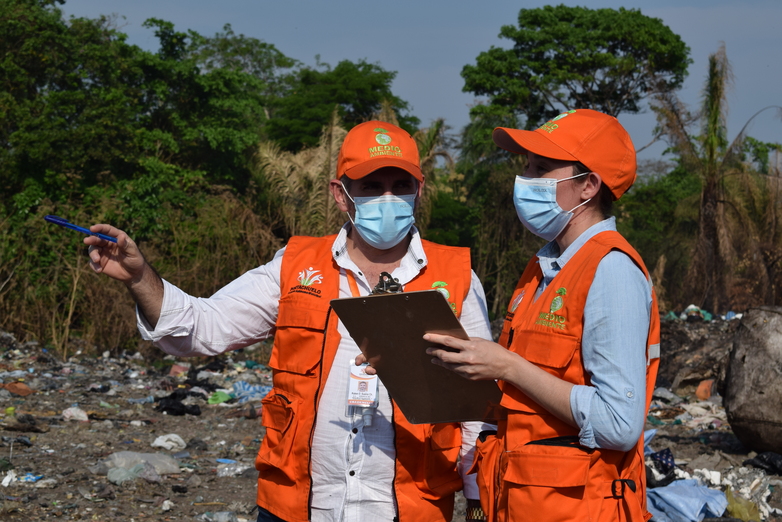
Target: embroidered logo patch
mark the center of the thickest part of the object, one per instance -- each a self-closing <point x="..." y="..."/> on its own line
<point x="382" y="138"/>
<point x="552" y="320"/>
<point x="440" y="287"/>
<point x="307" y="278"/>
<point x="557" y="303"/>
<point x="550" y="126"/>
<point x="516" y="301"/>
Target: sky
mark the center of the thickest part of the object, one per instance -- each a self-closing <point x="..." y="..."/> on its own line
<point x="428" y="42"/>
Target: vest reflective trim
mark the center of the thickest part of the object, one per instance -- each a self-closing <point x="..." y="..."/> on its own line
<point x="653" y="353"/>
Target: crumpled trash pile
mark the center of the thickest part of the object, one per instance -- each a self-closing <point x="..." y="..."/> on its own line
<point x="694" y="314"/>
<point x="717" y="484"/>
<point x="77" y="436"/>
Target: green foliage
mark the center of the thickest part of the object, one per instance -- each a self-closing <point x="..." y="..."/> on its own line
<point x="574" y="57"/>
<point x="357" y="89"/>
<point x="262" y="60"/>
<point x="659" y="218"/>
<point x="450" y="220"/>
<point x="68" y="92"/>
<point x="759" y="153"/>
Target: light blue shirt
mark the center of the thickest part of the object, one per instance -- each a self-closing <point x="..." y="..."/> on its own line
<point x="611" y="412"/>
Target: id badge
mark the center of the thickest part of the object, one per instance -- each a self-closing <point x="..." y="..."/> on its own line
<point x="362" y="387"/>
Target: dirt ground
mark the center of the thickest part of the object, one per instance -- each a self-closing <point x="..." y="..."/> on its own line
<point x="58" y="456"/>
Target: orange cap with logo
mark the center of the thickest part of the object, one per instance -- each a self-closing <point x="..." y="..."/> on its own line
<point x="590" y="137"/>
<point x="376" y="144"/>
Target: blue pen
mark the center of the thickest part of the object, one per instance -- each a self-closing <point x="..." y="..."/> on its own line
<point x="67" y="224"/>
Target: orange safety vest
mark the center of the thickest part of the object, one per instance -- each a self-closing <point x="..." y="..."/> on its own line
<point x="305" y="344"/>
<point x="535" y="469"/>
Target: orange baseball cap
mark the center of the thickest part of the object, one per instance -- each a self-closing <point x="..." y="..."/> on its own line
<point x="375" y="144"/>
<point x="595" y="139"/>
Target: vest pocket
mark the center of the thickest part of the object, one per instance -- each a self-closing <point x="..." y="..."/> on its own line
<point x="549" y="480"/>
<point x="279" y="418"/>
<point x="551" y="349"/>
<point x="299" y="324"/>
<point x="438" y="467"/>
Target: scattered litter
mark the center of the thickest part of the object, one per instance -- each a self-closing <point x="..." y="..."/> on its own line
<point x="17" y="388"/>
<point x="232" y="470"/>
<point x="692" y="314"/>
<point x="170" y="442"/>
<point x="705" y="389"/>
<point x="685" y="500"/>
<point x="220" y="516"/>
<point x="10" y="477"/>
<point x="220" y="396"/>
<point x="768" y="461"/>
<point x="247" y="392"/>
<point x="76" y="414"/>
<point x="163" y="464"/>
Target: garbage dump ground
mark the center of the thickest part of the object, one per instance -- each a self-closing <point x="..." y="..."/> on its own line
<point x="120" y="438"/>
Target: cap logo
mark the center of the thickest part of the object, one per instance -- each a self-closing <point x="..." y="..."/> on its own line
<point x="384" y="149"/>
<point x="550" y="126"/>
<point x="382" y="138"/>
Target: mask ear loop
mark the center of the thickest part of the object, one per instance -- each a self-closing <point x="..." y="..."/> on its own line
<point x="573" y="177"/>
<point x="345" y="190"/>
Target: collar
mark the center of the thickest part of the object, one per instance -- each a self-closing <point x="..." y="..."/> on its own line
<point x="551" y="261"/>
<point x="412" y="263"/>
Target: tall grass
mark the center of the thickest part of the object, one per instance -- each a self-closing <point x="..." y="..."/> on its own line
<point x="49" y="294"/>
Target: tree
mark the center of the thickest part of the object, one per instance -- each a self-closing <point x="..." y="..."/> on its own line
<point x="729" y="221"/>
<point x="69" y="97"/>
<point x="573" y="57"/>
<point x="357" y="89"/>
<point x="261" y="60"/>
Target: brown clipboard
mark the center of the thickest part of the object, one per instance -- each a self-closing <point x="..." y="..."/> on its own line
<point x="389" y="330"/>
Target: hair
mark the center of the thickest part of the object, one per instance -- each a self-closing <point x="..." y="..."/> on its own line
<point x="605" y="198"/>
<point x="346" y="182"/>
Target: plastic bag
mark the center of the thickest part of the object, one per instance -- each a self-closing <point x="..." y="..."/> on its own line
<point x="170" y="442"/>
<point x="163" y="464"/>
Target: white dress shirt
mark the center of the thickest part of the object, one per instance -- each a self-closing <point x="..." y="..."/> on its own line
<point x="352" y="465"/>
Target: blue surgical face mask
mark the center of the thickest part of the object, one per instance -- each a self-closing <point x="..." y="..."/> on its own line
<point x="536" y="205"/>
<point x="383" y="221"/>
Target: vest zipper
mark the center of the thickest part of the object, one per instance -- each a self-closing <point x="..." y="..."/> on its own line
<point x="396" y="456"/>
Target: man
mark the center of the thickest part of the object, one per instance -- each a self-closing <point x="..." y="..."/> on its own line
<point x="321" y="460"/>
<point x="582" y="337"/>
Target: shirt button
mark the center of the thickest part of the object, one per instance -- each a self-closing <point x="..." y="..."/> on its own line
<point x="629" y="395"/>
<point x="352" y="473"/>
<point x="420" y="261"/>
<point x="355" y="430"/>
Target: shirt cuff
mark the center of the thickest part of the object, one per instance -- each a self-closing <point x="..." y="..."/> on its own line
<point x="169" y="324"/>
<point x="581" y="407"/>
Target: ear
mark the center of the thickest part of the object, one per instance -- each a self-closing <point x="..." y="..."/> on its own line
<point x="421" y="189"/>
<point x="591" y="188"/>
<point x="338" y="192"/>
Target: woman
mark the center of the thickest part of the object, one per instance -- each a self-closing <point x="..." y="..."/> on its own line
<point x="578" y="355"/>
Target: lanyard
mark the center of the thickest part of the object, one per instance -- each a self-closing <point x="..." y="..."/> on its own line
<point x="352" y="284"/>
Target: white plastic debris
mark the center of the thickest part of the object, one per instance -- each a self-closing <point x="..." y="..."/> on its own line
<point x="9" y="478"/>
<point x="170" y="442"/>
<point x="75" y="414"/>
